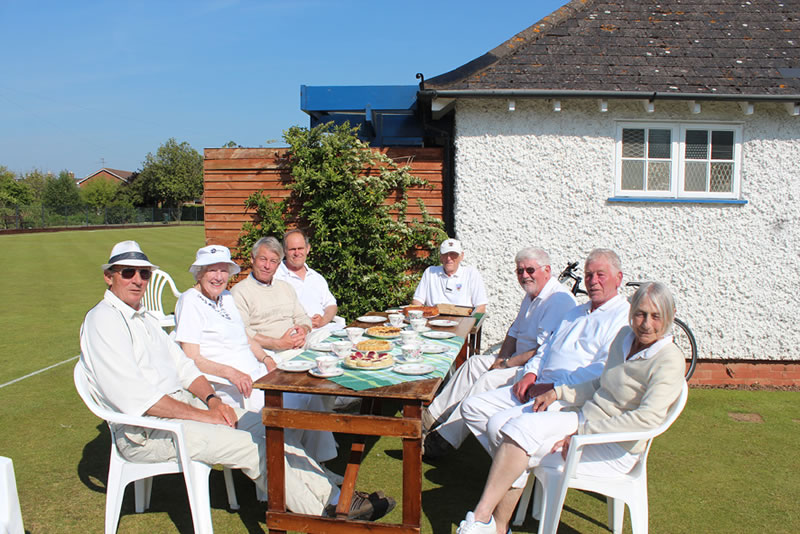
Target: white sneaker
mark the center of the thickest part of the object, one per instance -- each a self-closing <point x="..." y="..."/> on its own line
<point x="470" y="526"/>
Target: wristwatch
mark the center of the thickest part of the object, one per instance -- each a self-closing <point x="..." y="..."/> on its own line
<point x="212" y="396"/>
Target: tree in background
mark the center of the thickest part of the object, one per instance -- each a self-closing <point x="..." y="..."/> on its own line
<point x="13" y="192"/>
<point x="172" y="176"/>
<point x="61" y="191"/>
<point x="352" y="202"/>
<point x="36" y="181"/>
<point x="99" y="193"/>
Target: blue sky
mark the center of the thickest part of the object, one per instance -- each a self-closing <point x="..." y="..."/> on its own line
<point x="87" y="84"/>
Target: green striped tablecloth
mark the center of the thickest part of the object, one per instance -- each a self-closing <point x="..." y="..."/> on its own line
<point x="360" y="380"/>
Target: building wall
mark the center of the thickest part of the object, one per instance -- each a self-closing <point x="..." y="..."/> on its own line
<point x="534" y="177"/>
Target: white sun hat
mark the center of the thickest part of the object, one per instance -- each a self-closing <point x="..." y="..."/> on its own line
<point x="451" y="245"/>
<point x="214" y="254"/>
<point x="128" y="253"/>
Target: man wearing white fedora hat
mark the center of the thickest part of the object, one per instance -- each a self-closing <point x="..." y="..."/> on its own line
<point x="135" y="368"/>
<point x="451" y="282"/>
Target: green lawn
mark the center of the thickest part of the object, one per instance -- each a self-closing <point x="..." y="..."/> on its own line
<point x="709" y="473"/>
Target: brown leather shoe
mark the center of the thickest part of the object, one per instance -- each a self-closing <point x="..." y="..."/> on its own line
<point x="365" y="507"/>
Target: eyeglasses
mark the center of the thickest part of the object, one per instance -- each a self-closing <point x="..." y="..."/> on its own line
<point x="129" y="272"/>
<point x="529" y="270"/>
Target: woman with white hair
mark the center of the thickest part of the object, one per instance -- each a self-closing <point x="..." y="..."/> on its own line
<point x="642" y="379"/>
<point x="211" y="332"/>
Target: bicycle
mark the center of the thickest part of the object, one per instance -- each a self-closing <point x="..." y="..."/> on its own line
<point x="682" y="335"/>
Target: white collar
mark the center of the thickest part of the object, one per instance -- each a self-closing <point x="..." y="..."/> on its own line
<point x="259" y="282"/>
<point x="647" y="353"/>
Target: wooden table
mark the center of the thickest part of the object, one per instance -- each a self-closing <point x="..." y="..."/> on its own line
<point x="412" y="395"/>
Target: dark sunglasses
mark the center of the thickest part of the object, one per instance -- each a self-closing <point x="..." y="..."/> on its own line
<point x="129" y="272"/>
<point x="529" y="270"/>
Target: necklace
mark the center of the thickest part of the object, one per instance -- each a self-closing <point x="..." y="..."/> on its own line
<point x="216" y="306"/>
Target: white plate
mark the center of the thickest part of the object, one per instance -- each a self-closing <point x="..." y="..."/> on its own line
<point x="413" y="368"/>
<point x="322" y="347"/>
<point x="296" y="366"/>
<point x="316" y="372"/>
<point x="437" y="334"/>
<point x="394" y="310"/>
<point x="339" y="333"/>
<point x="430" y="348"/>
<point x="443" y="322"/>
<point x="371" y="319"/>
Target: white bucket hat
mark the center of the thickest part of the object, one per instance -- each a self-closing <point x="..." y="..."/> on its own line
<point x="451" y="245"/>
<point x="214" y="254"/>
<point x="128" y="253"/>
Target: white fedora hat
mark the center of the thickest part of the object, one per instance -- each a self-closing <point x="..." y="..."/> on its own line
<point x="128" y="253"/>
<point x="214" y="254"/>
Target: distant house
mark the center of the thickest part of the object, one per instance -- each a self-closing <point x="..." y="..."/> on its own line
<point x="667" y="130"/>
<point x="112" y="175"/>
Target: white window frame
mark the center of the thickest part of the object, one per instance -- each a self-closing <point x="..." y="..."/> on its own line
<point x="678" y="160"/>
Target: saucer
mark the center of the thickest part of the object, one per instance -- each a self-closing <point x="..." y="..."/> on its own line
<point x="316" y="372"/>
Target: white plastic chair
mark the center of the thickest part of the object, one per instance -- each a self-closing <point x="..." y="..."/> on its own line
<point x="10" y="514"/>
<point x="631" y="488"/>
<point x="152" y="297"/>
<point x="122" y="472"/>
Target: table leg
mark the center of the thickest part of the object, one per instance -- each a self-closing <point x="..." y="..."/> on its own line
<point x="276" y="476"/>
<point x="412" y="468"/>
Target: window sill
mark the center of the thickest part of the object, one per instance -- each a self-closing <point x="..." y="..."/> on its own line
<point x="678" y="200"/>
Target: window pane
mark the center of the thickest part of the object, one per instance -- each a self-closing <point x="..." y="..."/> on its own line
<point x="721" y="145"/>
<point x="695" y="179"/>
<point x="632" y="143"/>
<point x="696" y="144"/>
<point x="658" y="145"/>
<point x="658" y="175"/>
<point x="721" y="178"/>
<point x="633" y="175"/>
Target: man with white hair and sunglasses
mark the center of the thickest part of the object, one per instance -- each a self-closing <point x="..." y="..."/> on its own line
<point x="544" y="304"/>
<point x="133" y="367"/>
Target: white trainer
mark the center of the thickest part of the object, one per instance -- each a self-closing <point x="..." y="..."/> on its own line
<point x="470" y="526"/>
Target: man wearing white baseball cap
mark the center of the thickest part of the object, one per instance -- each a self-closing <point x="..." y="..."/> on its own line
<point x="451" y="282"/>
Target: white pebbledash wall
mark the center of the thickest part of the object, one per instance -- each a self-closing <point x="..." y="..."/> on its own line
<point x="535" y="177"/>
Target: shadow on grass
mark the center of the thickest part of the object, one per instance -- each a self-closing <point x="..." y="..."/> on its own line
<point x="169" y="491"/>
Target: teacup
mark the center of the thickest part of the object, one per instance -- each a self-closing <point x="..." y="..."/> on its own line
<point x="327" y="364"/>
<point x="353" y="333"/>
<point x="409" y="337"/>
<point x="415" y="314"/>
<point x="342" y="348"/>
<point x="418" y="324"/>
<point x="412" y="353"/>
<point x="396" y="319"/>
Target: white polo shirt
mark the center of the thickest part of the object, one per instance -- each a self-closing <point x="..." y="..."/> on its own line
<point x="463" y="288"/>
<point x="538" y="317"/>
<point x="578" y="350"/>
<point x="312" y="291"/>
<point x="131" y="362"/>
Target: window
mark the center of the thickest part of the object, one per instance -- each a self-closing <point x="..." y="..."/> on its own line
<point x="684" y="160"/>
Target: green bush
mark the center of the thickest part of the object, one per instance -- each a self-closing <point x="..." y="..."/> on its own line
<point x="344" y="195"/>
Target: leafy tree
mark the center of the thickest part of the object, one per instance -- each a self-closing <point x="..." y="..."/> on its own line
<point x="99" y="193"/>
<point x="61" y="191"/>
<point x="352" y="202"/>
<point x="36" y="181"/>
<point x="12" y="191"/>
<point x="172" y="176"/>
<point x="230" y="144"/>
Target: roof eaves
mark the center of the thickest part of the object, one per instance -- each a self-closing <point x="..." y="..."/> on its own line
<point x="641" y="95"/>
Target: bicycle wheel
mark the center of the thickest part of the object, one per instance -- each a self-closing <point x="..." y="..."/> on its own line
<point x="683" y="337"/>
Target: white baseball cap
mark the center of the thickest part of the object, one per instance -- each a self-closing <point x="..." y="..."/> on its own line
<point x="128" y="253"/>
<point x="451" y="245"/>
<point x="214" y="254"/>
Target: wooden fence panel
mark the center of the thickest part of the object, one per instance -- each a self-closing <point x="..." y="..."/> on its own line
<point x="230" y="175"/>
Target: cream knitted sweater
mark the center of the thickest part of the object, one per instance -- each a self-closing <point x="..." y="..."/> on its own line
<point x="629" y="395"/>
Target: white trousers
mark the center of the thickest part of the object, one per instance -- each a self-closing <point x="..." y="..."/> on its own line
<point x="472" y="378"/>
<point x="308" y="489"/>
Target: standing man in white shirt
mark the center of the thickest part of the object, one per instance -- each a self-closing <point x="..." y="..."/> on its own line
<point x="575" y="353"/>
<point x="545" y="303"/>
<point x="451" y="282"/>
<point x="311" y="288"/>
